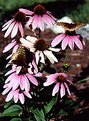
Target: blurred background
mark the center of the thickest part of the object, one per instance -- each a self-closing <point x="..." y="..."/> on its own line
<point x="77" y="10"/>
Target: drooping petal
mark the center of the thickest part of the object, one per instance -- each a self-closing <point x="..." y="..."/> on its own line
<point x="10" y="96"/>
<point x="71" y="43"/>
<point x="65" y="42"/>
<point x="29" y="21"/>
<point x="16" y="96"/>
<point x="55" y="89"/>
<point x="9" y="46"/>
<point x="78" y="43"/>
<point x="35" y="22"/>
<point x="8" y="22"/>
<point x="25" y="83"/>
<point x="15" y="48"/>
<point x="41" y="23"/>
<point x="9" y="72"/>
<point x="32" y="79"/>
<point x="21" y="29"/>
<point x="58" y="39"/>
<point x="14" y="30"/>
<point x="25" y="11"/>
<point x="50" y="56"/>
<point x="6" y="91"/>
<point x="28" y="94"/>
<point x="10" y="77"/>
<point x="9" y="29"/>
<point x="16" y="82"/>
<point x="42" y="60"/>
<point x="21" y="98"/>
<point x="37" y="56"/>
<point x="67" y="88"/>
<point x="62" y="90"/>
<point x="48" y="20"/>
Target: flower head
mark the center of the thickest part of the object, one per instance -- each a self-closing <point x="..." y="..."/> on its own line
<point x="61" y="83"/>
<point x="14" y="25"/>
<point x="40" y="48"/>
<point x="69" y="37"/>
<point x="17" y="85"/>
<point x="38" y="17"/>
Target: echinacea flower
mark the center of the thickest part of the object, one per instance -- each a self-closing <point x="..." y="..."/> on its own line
<point x="39" y="17"/>
<point x="69" y="37"/>
<point x="14" y="25"/>
<point x="40" y="48"/>
<point x="61" y="83"/>
<point x="18" y="83"/>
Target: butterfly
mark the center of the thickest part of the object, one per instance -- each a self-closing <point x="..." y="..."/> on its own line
<point x="70" y="26"/>
<point x="19" y="57"/>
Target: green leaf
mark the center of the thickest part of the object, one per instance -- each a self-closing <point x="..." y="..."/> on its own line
<point x="49" y="106"/>
<point x="38" y="114"/>
<point x="63" y="113"/>
<point x="8" y="104"/>
<point x="13" y="110"/>
<point x="16" y="119"/>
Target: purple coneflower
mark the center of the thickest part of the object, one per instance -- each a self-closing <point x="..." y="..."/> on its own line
<point x="14" y="25"/>
<point x="39" y="17"/>
<point x="40" y="48"/>
<point x="61" y="83"/>
<point x="18" y="83"/>
<point x="69" y="37"/>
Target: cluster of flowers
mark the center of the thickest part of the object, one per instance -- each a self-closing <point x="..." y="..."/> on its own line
<point x="29" y="51"/>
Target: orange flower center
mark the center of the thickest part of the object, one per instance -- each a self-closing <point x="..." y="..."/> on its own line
<point x="20" y="17"/>
<point x="39" y="10"/>
<point x="41" y="45"/>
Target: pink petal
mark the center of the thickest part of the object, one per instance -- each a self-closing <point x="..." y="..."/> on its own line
<point x="28" y="94"/>
<point x="15" y="48"/>
<point x="16" y="81"/>
<point x="10" y="96"/>
<point x="78" y="43"/>
<point x="15" y="30"/>
<point x="49" y="14"/>
<point x="62" y="90"/>
<point x="9" y="46"/>
<point x="71" y="43"/>
<point x="10" y="21"/>
<point x="58" y="39"/>
<point x="35" y="22"/>
<point x="10" y="77"/>
<point x="48" y="20"/>
<point x="21" y="29"/>
<point x="9" y="72"/>
<point x="6" y="91"/>
<point x="24" y="84"/>
<point x="25" y="11"/>
<point x="50" y="79"/>
<point x="32" y="79"/>
<point x="9" y="29"/>
<point x="16" y="96"/>
<point x="30" y="21"/>
<point x="65" y="42"/>
<point x="67" y="88"/>
<point x="41" y="23"/>
<point x="55" y="89"/>
<point x="21" y="98"/>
